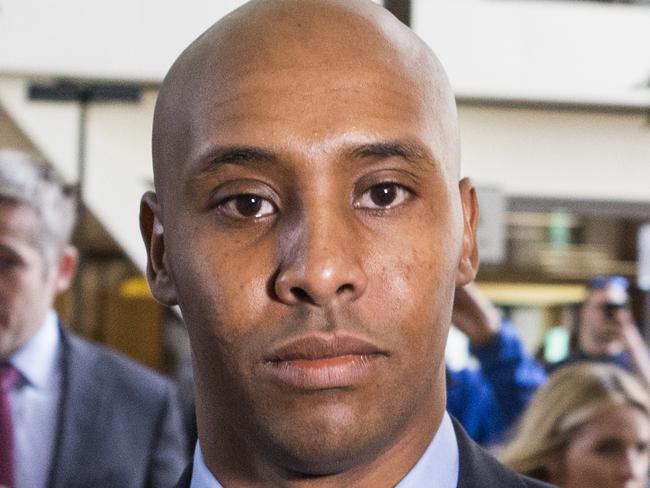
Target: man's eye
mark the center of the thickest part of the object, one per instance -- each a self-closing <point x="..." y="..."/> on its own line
<point x="8" y="262"/>
<point x="247" y="206"/>
<point x="608" y="447"/>
<point x="383" y="196"/>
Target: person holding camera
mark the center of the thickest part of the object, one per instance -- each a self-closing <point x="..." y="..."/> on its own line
<point x="607" y="331"/>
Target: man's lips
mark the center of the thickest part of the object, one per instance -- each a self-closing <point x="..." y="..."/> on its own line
<point x="319" y="361"/>
<point x="319" y="346"/>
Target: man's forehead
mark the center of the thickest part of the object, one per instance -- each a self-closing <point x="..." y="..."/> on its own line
<point x="300" y="45"/>
<point x="18" y="220"/>
<point x="282" y="31"/>
<point x="279" y="36"/>
<point x="597" y="295"/>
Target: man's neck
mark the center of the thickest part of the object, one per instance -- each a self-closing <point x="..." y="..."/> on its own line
<point x="383" y="466"/>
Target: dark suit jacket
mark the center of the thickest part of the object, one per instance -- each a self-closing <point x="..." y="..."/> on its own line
<point x="477" y="469"/>
<point x="119" y="424"/>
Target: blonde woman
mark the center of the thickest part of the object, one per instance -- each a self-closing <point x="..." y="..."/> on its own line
<point x="588" y="427"/>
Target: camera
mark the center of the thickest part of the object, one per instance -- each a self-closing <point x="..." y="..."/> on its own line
<point x="610" y="308"/>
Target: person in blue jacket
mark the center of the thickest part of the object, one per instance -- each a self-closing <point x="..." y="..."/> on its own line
<point x="489" y="399"/>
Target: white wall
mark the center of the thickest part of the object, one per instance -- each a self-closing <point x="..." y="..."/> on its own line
<point x="119" y="159"/>
<point x="534" y="152"/>
<point x="134" y="40"/>
<point x="541" y="50"/>
<point x="120" y="39"/>
<point x="52" y="127"/>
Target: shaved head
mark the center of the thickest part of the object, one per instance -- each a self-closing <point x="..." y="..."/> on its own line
<point x="310" y="223"/>
<point x="275" y="37"/>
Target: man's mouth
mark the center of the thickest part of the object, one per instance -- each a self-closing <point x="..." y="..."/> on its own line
<point x="323" y="361"/>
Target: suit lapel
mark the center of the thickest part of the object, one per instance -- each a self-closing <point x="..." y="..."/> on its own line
<point x="82" y="398"/>
<point x="186" y="477"/>
<point x="479" y="469"/>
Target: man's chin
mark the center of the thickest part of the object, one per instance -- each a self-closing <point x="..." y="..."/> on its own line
<point x="326" y="443"/>
<point x="323" y="456"/>
<point x="614" y="349"/>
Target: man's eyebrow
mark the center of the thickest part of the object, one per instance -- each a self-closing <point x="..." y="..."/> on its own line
<point x="214" y="157"/>
<point x="407" y="150"/>
<point x="217" y="156"/>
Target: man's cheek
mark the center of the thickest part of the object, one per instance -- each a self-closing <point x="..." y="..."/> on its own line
<point x="400" y="286"/>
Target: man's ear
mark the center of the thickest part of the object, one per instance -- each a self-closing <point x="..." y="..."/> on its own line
<point x="468" y="264"/>
<point x="66" y="267"/>
<point x="153" y="234"/>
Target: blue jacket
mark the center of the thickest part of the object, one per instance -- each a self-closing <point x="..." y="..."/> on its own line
<point x="488" y="400"/>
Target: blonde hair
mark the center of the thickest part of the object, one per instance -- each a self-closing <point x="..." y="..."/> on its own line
<point x="573" y="396"/>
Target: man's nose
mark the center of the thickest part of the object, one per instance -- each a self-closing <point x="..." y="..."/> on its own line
<point x="632" y="465"/>
<point x="321" y="261"/>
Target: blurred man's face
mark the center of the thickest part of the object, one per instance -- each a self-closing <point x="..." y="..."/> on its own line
<point x="313" y="236"/>
<point x="27" y="279"/>
<point x="600" y="332"/>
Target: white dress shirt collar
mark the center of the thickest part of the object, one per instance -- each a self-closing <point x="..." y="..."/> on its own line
<point x="35" y="404"/>
<point x="37" y="359"/>
<point x="437" y="467"/>
<point x="439" y="464"/>
<point x="201" y="475"/>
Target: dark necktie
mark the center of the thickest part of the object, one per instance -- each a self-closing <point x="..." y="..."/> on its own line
<point x="8" y="375"/>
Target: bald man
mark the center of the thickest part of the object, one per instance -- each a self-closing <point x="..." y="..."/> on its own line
<point x="310" y="223"/>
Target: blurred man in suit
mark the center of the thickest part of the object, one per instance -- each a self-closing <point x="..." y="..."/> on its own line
<point x="72" y="414"/>
<point x="310" y="222"/>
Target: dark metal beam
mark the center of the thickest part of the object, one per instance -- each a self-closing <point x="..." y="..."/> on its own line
<point x="400" y="9"/>
<point x="82" y="91"/>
